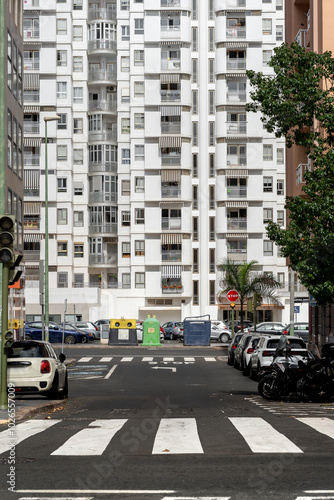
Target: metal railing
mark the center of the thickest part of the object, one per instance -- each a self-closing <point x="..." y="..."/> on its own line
<point x="31" y="128"/>
<point x="30" y="96"/>
<point x="102" y="75"/>
<point x="236" y="160"/>
<point x="300" y="172"/>
<point x="171" y="255"/>
<point x="236" y="96"/>
<point x="109" y="259"/>
<point x="170" y="3"/>
<point x="102" y="167"/>
<point x="171" y="160"/>
<point x="103" y="228"/>
<point x="101" y="197"/>
<point x="102" y="44"/>
<point x="170" y="95"/>
<point x="170" y="192"/>
<point x="236" y="192"/>
<point x="108" y="14"/>
<point x="171" y="128"/>
<point x="301" y="37"/>
<point x="170" y="223"/>
<point x="102" y="136"/>
<point x="103" y="105"/>
<point x="236" y="128"/>
<point x="31" y="64"/>
<point x="31" y="160"/>
<point x="236" y="32"/>
<point x="173" y="64"/>
<point x="236" y="64"/>
<point x="236" y="223"/>
<point x="32" y="33"/>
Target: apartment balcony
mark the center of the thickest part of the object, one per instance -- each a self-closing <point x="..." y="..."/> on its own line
<point x="170" y="192"/>
<point x="97" y="14"/>
<point x="236" y="32"/>
<point x="230" y="4"/>
<point x="103" y="260"/>
<point x="171" y="128"/>
<point x="29" y="4"/>
<point x="236" y="192"/>
<point x="300" y="172"/>
<point x="236" y="160"/>
<point x="170" y="95"/>
<point x="171" y="288"/>
<point x="170" y="65"/>
<point x="236" y="64"/>
<point x="171" y="255"/>
<point x="236" y="128"/>
<point x="103" y="229"/>
<point x="30" y="34"/>
<point x="236" y="97"/>
<point x="110" y="167"/>
<point x="31" y="64"/>
<point x="170" y="160"/>
<point x="101" y="197"/>
<point x="30" y="96"/>
<point x="170" y="3"/>
<point x="102" y="136"/>
<point x="103" y="45"/>
<point x="109" y="107"/>
<point x="237" y="223"/>
<point x="302" y="38"/>
<point x="31" y="160"/>
<point x="170" y="223"/>
<point x="102" y="76"/>
<point x="32" y="255"/>
<point x="31" y="128"/>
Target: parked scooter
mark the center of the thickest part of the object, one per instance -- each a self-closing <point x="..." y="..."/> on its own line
<point x="289" y="377"/>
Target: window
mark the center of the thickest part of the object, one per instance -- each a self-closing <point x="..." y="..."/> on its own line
<point x="211" y="197"/>
<point x="139" y="89"/>
<point x="61" y="26"/>
<point x="61" y="152"/>
<point x="125" y="156"/>
<point x="78" y="220"/>
<point x="267" y="215"/>
<point x="139" y="121"/>
<point x="62" y="280"/>
<point x="195" y="228"/>
<point x="212" y="231"/>
<point x="126" y="280"/>
<point x="125" y="33"/>
<point x="139" y="248"/>
<point x="280" y="186"/>
<point x="77" y="156"/>
<point x="211" y="39"/>
<point x="125" y="187"/>
<point x="125" y="4"/>
<point x="195" y="260"/>
<point x="267" y="184"/>
<point x="139" y="216"/>
<point x="125" y="63"/>
<point x="211" y="165"/>
<point x="61" y="216"/>
<point x="211" y="102"/>
<point x="268" y="248"/>
<point x="139" y="152"/>
<point x="61" y="90"/>
<point x="280" y="217"/>
<point x="212" y="260"/>
<point x="279" y="33"/>
<point x="139" y="184"/>
<point x="194" y="39"/>
<point x="62" y="122"/>
<point x="212" y="291"/>
<point x="139" y="58"/>
<point x="126" y="245"/>
<point x="77" y="34"/>
<point x="194" y="70"/>
<point x="78" y="189"/>
<point x="126" y="218"/>
<point x="77" y="95"/>
<point x="78" y="280"/>
<point x="267" y="152"/>
<point x="77" y="125"/>
<point x="78" y="250"/>
<point x="266" y="56"/>
<point x="279" y="4"/>
<point x="62" y="184"/>
<point x="195" y="293"/>
<point x="211" y="70"/>
<point x="281" y="279"/>
<point x="266" y="26"/>
<point x="61" y="58"/>
<point x="195" y="133"/>
<point x="125" y="122"/>
<point x="139" y="26"/>
<point x="195" y="166"/>
<point x="77" y="4"/>
<point x="195" y="102"/>
<point x="195" y="197"/>
<point x="62" y="248"/>
<point x="77" y="63"/>
<point x="237" y="246"/>
<point x="125" y="94"/>
<point x="140" y="280"/>
<point x="211" y="133"/>
<point x="280" y="156"/>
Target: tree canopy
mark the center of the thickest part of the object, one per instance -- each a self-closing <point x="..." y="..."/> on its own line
<point x="297" y="102"/>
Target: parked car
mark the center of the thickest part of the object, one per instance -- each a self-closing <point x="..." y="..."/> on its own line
<point x="86" y="326"/>
<point x="300" y="329"/>
<point x="220" y="334"/>
<point x="274" y="327"/>
<point x="33" y="331"/>
<point x="239" y="351"/>
<point x="71" y="327"/>
<point x="232" y="347"/>
<point x="247" y="324"/>
<point x="178" y="331"/>
<point x="168" y="328"/>
<point x="265" y="350"/>
<point x="248" y="351"/>
<point x="102" y="322"/>
<point x="33" y="367"/>
<point x="220" y="324"/>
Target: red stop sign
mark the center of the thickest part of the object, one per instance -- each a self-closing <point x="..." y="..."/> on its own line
<point x="232" y="295"/>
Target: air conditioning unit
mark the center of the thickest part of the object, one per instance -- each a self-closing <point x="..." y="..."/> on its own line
<point x="110" y="89"/>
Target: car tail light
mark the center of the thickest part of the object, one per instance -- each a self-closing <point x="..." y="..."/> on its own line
<point x="267" y="353"/>
<point x="250" y="350"/>
<point x="285" y="332"/>
<point x="45" y="366"/>
<point x="234" y="347"/>
<point x="96" y="328"/>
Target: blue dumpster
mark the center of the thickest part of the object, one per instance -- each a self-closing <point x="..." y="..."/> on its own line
<point x="197" y="330"/>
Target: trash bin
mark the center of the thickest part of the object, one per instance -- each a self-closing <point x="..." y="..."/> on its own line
<point x="151" y="332"/>
<point x="196" y="330"/>
<point x="123" y="332"/>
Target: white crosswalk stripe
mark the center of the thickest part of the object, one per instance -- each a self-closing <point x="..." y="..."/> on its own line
<point x="85" y="359"/>
<point x="128" y="359"/>
<point x="173" y="436"/>
<point x="105" y="359"/>
<point x="210" y="359"/>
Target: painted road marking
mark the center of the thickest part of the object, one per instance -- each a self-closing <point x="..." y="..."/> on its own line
<point x="106" y="359"/>
<point x="23" y="431"/>
<point x="261" y="437"/>
<point x="85" y="359"/>
<point x="164" y="368"/>
<point x="323" y="425"/>
<point x="126" y="359"/>
<point x="177" y="435"/>
<point x="106" y="492"/>
<point x="168" y="359"/>
<point x="93" y="440"/>
<point x="210" y="359"/>
<point x="148" y="358"/>
<point x="189" y="360"/>
<point x="110" y="372"/>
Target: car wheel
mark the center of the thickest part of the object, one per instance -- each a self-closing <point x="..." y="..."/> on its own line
<point x="245" y="371"/>
<point x="236" y="364"/>
<point x="84" y="339"/>
<point x="252" y="373"/>
<point x="70" y="339"/>
<point x="28" y="337"/>
<point x="224" y="337"/>
<point x="65" y="390"/>
<point x="54" y="392"/>
<point x="229" y="361"/>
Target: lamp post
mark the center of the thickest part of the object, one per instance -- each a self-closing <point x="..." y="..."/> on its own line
<point x="46" y="249"/>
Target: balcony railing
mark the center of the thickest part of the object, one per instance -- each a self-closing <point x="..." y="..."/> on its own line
<point x="110" y="106"/>
<point x="171" y="128"/>
<point x="171" y="255"/>
<point x="236" y="160"/>
<point x="236" y="128"/>
<point x="101" y="136"/>
<point x="170" y="95"/>
<point x="107" y="14"/>
<point x="300" y="172"/>
<point x="30" y="96"/>
<point x="171" y="160"/>
<point x="101" y="197"/>
<point x="301" y="37"/>
<point x="237" y="250"/>
<point x="31" y="64"/>
<point x="31" y="255"/>
<point x="236" y="32"/>
<point x="32" y="33"/>
<point x="102" y="45"/>
<point x="109" y="259"/>
<point x="172" y="288"/>
<point x="165" y="26"/>
<point x="102" y="75"/>
<point x="31" y="160"/>
<point x="31" y="127"/>
<point x="236" y="96"/>
<point x="170" y="3"/>
<point x="31" y="3"/>
<point x="103" y="228"/>
<point x="170" y="192"/>
<point x="102" y="167"/>
<point x="237" y="223"/>
<point x="173" y="64"/>
<point x="236" y="192"/>
<point x="236" y="64"/>
<point x="170" y="223"/>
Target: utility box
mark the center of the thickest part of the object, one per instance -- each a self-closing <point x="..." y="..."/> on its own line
<point x="151" y="332"/>
<point x="197" y="330"/>
<point x="123" y="332"/>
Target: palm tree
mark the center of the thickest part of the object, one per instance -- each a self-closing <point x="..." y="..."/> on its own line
<point x="246" y="280"/>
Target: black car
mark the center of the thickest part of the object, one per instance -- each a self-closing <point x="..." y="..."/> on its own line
<point x="232" y="347"/>
<point x="300" y="330"/>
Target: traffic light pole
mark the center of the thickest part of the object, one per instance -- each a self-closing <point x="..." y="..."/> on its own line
<point x="4" y="328"/>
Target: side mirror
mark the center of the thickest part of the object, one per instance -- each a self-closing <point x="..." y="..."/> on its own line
<point x="62" y="357"/>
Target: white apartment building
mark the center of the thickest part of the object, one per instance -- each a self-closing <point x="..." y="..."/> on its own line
<point x="156" y="172"/>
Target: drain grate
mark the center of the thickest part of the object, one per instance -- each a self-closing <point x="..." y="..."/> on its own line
<point x="18" y="460"/>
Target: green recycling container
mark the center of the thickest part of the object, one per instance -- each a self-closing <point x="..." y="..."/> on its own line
<point x="151" y="332"/>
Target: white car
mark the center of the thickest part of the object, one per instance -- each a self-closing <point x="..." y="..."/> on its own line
<point x="263" y="355"/>
<point x="220" y="334"/>
<point x="33" y="367"/>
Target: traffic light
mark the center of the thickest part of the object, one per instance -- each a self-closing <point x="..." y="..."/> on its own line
<point x="232" y="304"/>
<point x="14" y="274"/>
<point x="9" y="339"/>
<point x="7" y="238"/>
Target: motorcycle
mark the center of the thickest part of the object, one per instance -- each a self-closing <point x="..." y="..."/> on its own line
<point x="289" y="377"/>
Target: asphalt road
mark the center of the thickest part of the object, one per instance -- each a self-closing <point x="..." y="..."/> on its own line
<point x="170" y="422"/>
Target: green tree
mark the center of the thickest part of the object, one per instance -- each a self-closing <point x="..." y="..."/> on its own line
<point x="247" y="280"/>
<point x="297" y="102"/>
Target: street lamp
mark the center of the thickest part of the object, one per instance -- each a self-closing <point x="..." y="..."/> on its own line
<point x="46" y="249"/>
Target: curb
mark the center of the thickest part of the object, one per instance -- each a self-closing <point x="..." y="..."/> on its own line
<point x="31" y="411"/>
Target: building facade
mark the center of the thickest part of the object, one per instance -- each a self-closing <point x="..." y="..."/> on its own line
<point x="156" y="172"/>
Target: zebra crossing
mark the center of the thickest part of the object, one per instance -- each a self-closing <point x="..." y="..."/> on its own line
<point x="173" y="436"/>
<point x="292" y="408"/>
<point x="150" y="359"/>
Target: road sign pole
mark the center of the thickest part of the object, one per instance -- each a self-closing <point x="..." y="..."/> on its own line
<point x="4" y="328"/>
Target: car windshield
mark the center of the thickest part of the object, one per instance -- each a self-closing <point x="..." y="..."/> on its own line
<point x="70" y="327"/>
<point x="273" y="343"/>
<point x="179" y="324"/>
<point x="27" y="351"/>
